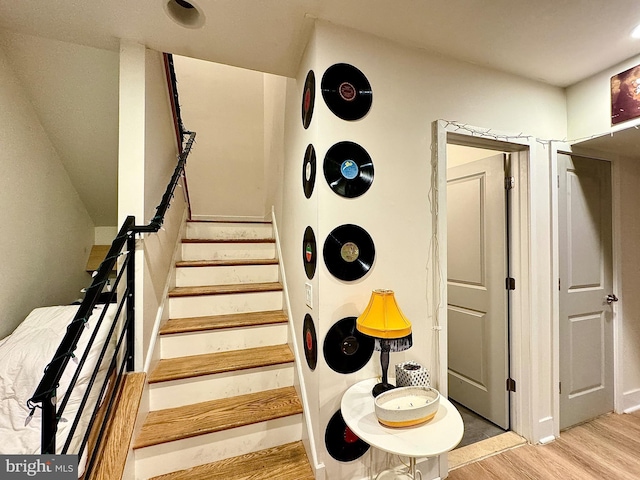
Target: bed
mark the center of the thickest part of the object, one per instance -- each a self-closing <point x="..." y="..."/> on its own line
<point x="23" y="357"/>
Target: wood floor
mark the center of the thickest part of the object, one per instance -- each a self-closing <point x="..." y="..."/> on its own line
<point x="605" y="448"/>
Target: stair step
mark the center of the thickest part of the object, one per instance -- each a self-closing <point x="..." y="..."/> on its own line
<point x="221" y="274"/>
<point x="225" y="289"/>
<point x="232" y="262"/>
<point x="285" y="462"/>
<point x="228" y="240"/>
<point x="210" y="363"/>
<point x="232" y="249"/>
<point x="177" y="393"/>
<point x="217" y="415"/>
<point x="214" y="230"/>
<point x="218" y="322"/>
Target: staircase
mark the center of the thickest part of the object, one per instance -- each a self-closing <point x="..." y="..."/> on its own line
<point x="222" y="401"/>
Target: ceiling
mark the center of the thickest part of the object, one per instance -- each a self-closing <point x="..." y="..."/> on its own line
<point x="555" y="41"/>
<point x="559" y="42"/>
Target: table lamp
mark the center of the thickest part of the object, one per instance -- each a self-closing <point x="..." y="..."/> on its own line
<point x="383" y="320"/>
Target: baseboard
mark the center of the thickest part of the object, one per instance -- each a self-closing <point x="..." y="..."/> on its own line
<point x="631" y="401"/>
<point x="153" y="356"/>
<point x="230" y="218"/>
<point x="545" y="431"/>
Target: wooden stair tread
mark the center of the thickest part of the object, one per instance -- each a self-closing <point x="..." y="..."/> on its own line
<point x="284" y="462"/>
<point x="229" y="240"/>
<point x="219" y="362"/>
<point x="225" y="289"/>
<point x="216" y="415"/>
<point x="257" y="222"/>
<point x="227" y="262"/>
<point x="113" y="454"/>
<point x="218" y="322"/>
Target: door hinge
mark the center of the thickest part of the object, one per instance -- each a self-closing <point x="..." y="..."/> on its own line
<point x="559" y="289"/>
<point x="509" y="183"/>
<point x="558" y="177"/>
<point x="511" y="283"/>
<point x="511" y="385"/>
<point x="560" y="388"/>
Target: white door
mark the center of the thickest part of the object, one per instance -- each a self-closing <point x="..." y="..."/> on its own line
<point x="586" y="319"/>
<point x="477" y="295"/>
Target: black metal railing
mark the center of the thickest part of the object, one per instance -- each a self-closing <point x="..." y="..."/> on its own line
<point x="117" y="350"/>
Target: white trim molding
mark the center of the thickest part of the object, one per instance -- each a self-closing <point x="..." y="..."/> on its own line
<point x="524" y="358"/>
<point x="319" y="468"/>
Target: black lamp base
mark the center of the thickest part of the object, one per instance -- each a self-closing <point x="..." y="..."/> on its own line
<point x="381" y="388"/>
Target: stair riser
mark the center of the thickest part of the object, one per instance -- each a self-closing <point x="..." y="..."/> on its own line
<point x="197" y="343"/>
<point x="200" y="306"/>
<point x="199" y="276"/>
<point x="178" y="393"/>
<point x="227" y="251"/>
<point x="187" y="453"/>
<point x="218" y="231"/>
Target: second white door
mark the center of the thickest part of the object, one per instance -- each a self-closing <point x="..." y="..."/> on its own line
<point x="476" y="285"/>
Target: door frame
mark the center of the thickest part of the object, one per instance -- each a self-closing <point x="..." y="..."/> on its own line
<point x="523" y="367"/>
<point x="566" y="148"/>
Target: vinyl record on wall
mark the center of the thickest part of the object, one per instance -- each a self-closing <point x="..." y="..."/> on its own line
<point x="308" y="98"/>
<point x="348" y="169"/>
<point x="346" y="91"/>
<point x="309" y="252"/>
<point x="310" y="342"/>
<point x="342" y="444"/>
<point x="345" y="349"/>
<point x="309" y="171"/>
<point x="348" y="252"/>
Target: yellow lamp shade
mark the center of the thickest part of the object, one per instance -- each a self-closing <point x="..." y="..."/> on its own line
<point x="382" y="318"/>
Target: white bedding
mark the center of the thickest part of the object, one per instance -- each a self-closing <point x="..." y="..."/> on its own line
<point x="23" y="357"/>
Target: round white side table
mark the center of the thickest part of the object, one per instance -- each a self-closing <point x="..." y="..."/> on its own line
<point x="430" y="439"/>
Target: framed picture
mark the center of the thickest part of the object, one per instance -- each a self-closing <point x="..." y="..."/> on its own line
<point x="625" y="95"/>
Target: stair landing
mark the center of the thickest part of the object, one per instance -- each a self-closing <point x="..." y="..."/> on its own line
<point x="285" y="462"/>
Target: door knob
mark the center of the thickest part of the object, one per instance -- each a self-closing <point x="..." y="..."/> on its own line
<point x="611" y="298"/>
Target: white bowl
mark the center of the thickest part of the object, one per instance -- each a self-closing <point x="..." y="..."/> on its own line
<point x="407" y="406"/>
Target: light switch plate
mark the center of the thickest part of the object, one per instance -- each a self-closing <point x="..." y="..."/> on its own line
<point x="308" y="294"/>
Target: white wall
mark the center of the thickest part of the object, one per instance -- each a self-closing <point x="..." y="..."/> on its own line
<point x="46" y="230"/>
<point x="589" y="104"/>
<point x="411" y="90"/>
<point x="147" y="157"/>
<point x="275" y="90"/>
<point x="225" y="106"/>
<point x="626" y="180"/>
<point x="74" y="91"/>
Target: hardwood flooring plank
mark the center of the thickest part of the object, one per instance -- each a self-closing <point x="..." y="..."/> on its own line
<point x="604" y="448"/>
<point x="285" y="462"/>
<point x="219" y="362"/>
<point x="201" y="418"/>
<point x="218" y="322"/>
<point x="225" y="289"/>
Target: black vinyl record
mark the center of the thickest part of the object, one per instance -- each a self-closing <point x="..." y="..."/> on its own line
<point x="308" y="98"/>
<point x="348" y="169"/>
<point x="309" y="171"/>
<point x="349" y="252"/>
<point x="310" y="342"/>
<point x="309" y="252"/>
<point x="346" y="91"/>
<point x="342" y="444"/>
<point x="345" y="349"/>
